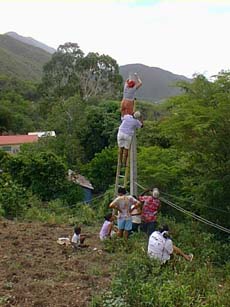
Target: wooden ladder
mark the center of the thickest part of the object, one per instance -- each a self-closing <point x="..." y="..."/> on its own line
<point x="121" y="179"/>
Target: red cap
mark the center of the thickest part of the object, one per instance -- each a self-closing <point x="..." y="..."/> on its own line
<point x="131" y="83"/>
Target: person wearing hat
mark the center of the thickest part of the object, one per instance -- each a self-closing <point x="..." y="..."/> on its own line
<point x="150" y="207"/>
<point x="161" y="247"/>
<point x="125" y="133"/>
<point x="130" y="88"/>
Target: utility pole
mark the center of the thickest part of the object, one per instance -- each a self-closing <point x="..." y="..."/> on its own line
<point x="133" y="166"/>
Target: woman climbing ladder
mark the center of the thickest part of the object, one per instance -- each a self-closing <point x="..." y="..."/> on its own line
<point x="130" y="88"/>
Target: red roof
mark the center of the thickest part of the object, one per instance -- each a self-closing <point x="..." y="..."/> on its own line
<point x="17" y="139"/>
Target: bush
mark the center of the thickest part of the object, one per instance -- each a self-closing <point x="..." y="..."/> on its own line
<point x="44" y="173"/>
<point x="142" y="282"/>
<point x="13" y="197"/>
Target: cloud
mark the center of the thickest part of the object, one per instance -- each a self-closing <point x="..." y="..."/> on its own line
<point x="180" y="36"/>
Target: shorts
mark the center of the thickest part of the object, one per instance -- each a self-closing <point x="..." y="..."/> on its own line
<point x="124" y="140"/>
<point x="127" y="107"/>
<point x="124" y="224"/>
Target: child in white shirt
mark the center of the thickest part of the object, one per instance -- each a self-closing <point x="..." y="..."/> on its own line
<point x="77" y="238"/>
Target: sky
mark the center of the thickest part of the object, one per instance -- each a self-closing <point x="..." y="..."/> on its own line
<point x="184" y="37"/>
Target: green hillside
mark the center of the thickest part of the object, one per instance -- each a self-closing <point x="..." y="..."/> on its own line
<point x="21" y="60"/>
<point x="158" y="84"/>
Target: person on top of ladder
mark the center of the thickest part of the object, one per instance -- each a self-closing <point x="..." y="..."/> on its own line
<point x="125" y="133"/>
<point x="130" y="88"/>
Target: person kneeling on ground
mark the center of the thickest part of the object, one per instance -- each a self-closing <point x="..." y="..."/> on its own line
<point x="108" y="229"/>
<point x="78" y="238"/>
<point x="161" y="247"/>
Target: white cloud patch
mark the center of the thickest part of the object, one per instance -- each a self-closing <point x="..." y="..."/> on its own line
<point x="184" y="37"/>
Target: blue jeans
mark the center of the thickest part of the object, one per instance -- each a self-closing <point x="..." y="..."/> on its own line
<point x="148" y="228"/>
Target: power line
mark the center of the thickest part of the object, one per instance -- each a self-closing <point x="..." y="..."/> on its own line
<point x="191" y="214"/>
<point x="189" y="201"/>
<point x="195" y="216"/>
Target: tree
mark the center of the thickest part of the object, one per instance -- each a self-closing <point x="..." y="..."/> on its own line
<point x="200" y="126"/>
<point x="18" y="112"/>
<point x="5" y="119"/>
<point x="100" y="77"/>
<point x="101" y="170"/>
<point x="60" y="74"/>
<point x="151" y="135"/>
<point x="99" y="128"/>
<point x="70" y="72"/>
<point x="42" y="172"/>
<point x="159" y="167"/>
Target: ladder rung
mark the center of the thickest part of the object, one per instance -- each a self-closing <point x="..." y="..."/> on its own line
<point x="121" y="176"/>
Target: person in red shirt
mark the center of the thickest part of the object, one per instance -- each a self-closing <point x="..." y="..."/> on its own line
<point x="150" y="207"/>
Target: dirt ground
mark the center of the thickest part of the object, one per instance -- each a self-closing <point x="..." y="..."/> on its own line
<point x="36" y="271"/>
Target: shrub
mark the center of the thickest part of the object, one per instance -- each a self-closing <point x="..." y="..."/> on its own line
<point x="13" y="197"/>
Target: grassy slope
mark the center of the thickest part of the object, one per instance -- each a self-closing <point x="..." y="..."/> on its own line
<point x="21" y="60"/>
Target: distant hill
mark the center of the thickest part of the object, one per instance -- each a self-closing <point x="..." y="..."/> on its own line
<point x="31" y="41"/>
<point x="158" y="84"/>
<point x="24" y="57"/>
<point x="21" y="60"/>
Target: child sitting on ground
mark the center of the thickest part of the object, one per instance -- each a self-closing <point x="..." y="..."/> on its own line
<point x="108" y="229"/>
<point x="78" y="238"/>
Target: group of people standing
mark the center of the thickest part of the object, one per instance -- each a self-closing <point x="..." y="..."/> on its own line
<point x="135" y="213"/>
<point x="140" y="214"/>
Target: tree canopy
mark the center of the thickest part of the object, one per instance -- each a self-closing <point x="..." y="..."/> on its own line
<point x="70" y="72"/>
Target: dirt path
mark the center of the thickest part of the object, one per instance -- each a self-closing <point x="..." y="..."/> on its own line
<point x="36" y="271"/>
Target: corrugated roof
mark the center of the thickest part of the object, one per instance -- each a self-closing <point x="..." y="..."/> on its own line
<point x="17" y="139"/>
<point x="79" y="179"/>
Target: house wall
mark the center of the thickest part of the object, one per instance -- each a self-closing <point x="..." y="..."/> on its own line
<point x="12" y="149"/>
<point x="87" y="195"/>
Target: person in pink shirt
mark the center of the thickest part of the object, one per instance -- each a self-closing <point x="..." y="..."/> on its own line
<point x="150" y="208"/>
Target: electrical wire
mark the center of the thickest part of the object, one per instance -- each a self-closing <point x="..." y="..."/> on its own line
<point x="195" y="216"/>
<point x="199" y="204"/>
<point x="191" y="214"/>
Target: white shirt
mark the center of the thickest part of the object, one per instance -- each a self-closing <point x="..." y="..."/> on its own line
<point x="76" y="239"/>
<point x="136" y="215"/>
<point x="104" y="233"/>
<point x="124" y="203"/>
<point x="129" y="124"/>
<point x="159" y="247"/>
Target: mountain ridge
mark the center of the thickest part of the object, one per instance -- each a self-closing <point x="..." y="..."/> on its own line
<point x="158" y="84"/>
<point x="21" y="60"/>
<point x="25" y="60"/>
<point x="31" y="41"/>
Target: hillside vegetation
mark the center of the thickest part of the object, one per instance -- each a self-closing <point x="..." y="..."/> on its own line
<point x="21" y="60"/>
<point x="31" y="41"/>
<point x="183" y="149"/>
<point x="20" y="57"/>
<point x="158" y="84"/>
